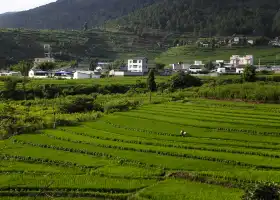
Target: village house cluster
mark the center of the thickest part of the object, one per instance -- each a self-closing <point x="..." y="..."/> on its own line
<point x="139" y="66"/>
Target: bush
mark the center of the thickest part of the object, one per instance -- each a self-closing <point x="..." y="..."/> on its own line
<point x="183" y="80"/>
<point x="80" y="104"/>
<point x="249" y="74"/>
<point x="122" y="105"/>
<point x="261" y="92"/>
<point x="262" y="191"/>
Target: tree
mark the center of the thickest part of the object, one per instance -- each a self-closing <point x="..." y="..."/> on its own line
<point x="117" y="64"/>
<point x="160" y="66"/>
<point x="183" y="80"/>
<point x="23" y="67"/>
<point x="151" y="83"/>
<point x="93" y="64"/>
<point x="85" y="27"/>
<point x="249" y="74"/>
<point x="262" y="191"/>
<point x="10" y="85"/>
<point x="46" y="66"/>
<point x="209" y="66"/>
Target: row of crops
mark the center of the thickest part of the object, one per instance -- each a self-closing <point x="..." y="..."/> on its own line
<point x="140" y="154"/>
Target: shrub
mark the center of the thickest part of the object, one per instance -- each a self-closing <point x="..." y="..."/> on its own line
<point x="122" y="105"/>
<point x="80" y="104"/>
<point x="183" y="80"/>
<point x="262" y="191"/>
<point x="249" y="74"/>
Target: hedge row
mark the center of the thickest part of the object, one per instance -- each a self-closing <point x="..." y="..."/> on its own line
<point x="96" y="154"/>
<point x="44" y="161"/>
<point x="213" y="179"/>
<point x="251" y="132"/>
<point x="199" y="126"/>
<point x="163" y="145"/>
<point x="66" y="189"/>
<point x="173" y="154"/>
<point x="64" y="194"/>
<point x="140" y="130"/>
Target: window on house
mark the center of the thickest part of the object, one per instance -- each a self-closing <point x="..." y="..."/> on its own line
<point x="134" y="61"/>
<point x="140" y="61"/>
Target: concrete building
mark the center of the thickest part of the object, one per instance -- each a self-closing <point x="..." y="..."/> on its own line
<point x="85" y="75"/>
<point x="38" y="74"/>
<point x="10" y="73"/>
<point x="139" y="64"/>
<point x="237" y="60"/>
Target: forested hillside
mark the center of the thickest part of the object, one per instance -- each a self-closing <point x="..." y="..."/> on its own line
<point x="72" y="14"/>
<point x="207" y="17"/>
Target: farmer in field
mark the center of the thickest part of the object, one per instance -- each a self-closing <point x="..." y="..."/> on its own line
<point x="183" y="133"/>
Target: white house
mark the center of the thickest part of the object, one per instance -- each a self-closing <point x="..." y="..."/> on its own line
<point x="63" y="75"/>
<point x="38" y="74"/>
<point x="239" y="70"/>
<point x="139" y="64"/>
<point x="237" y="60"/>
<point x="195" y="68"/>
<point x="11" y="73"/>
<point x="197" y="62"/>
<point x="38" y="61"/>
<point x="176" y="66"/>
<point x="85" y="75"/>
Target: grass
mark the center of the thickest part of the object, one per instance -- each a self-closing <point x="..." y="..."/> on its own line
<point x="132" y="153"/>
<point x="266" y="55"/>
<point x="181" y="189"/>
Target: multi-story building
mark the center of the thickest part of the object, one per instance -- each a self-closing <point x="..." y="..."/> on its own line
<point x="237" y="60"/>
<point x="139" y="64"/>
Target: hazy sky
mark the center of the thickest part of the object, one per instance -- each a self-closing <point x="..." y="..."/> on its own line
<point x="19" y="5"/>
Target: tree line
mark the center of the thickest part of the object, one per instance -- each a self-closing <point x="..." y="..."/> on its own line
<point x="208" y="17"/>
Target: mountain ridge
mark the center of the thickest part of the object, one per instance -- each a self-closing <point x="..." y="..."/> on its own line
<point x="72" y="14"/>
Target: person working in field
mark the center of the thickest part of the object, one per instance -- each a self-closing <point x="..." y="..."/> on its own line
<point x="183" y="133"/>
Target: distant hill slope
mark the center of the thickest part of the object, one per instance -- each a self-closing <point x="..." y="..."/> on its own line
<point x="72" y="14"/>
<point x="206" y="17"/>
<point x="25" y="44"/>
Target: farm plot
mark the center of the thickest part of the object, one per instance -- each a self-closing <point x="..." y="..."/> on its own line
<point x="141" y="155"/>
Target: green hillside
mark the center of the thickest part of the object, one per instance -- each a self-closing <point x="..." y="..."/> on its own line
<point x="71" y="14"/>
<point x="21" y="44"/>
<point x="206" y="17"/>
<point x="188" y="54"/>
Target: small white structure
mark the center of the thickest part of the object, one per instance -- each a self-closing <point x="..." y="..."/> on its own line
<point x="85" y="75"/>
<point x="237" y="60"/>
<point x="236" y="40"/>
<point x="221" y="70"/>
<point x="251" y="42"/>
<point x="195" y="69"/>
<point x="125" y="73"/>
<point x="139" y="64"/>
<point x="38" y="74"/>
<point x="11" y="73"/>
<point x="220" y="61"/>
<point x="176" y="66"/>
<point x="180" y="66"/>
<point x="239" y="70"/>
<point x="198" y="62"/>
<point x="63" y="75"/>
<point x="38" y="61"/>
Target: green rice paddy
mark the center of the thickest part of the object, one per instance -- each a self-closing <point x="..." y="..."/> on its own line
<point x="140" y="154"/>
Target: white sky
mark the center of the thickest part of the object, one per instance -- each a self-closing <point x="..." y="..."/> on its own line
<point x="20" y="5"/>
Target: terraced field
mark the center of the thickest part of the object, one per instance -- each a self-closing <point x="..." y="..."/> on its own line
<point x="141" y="155"/>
